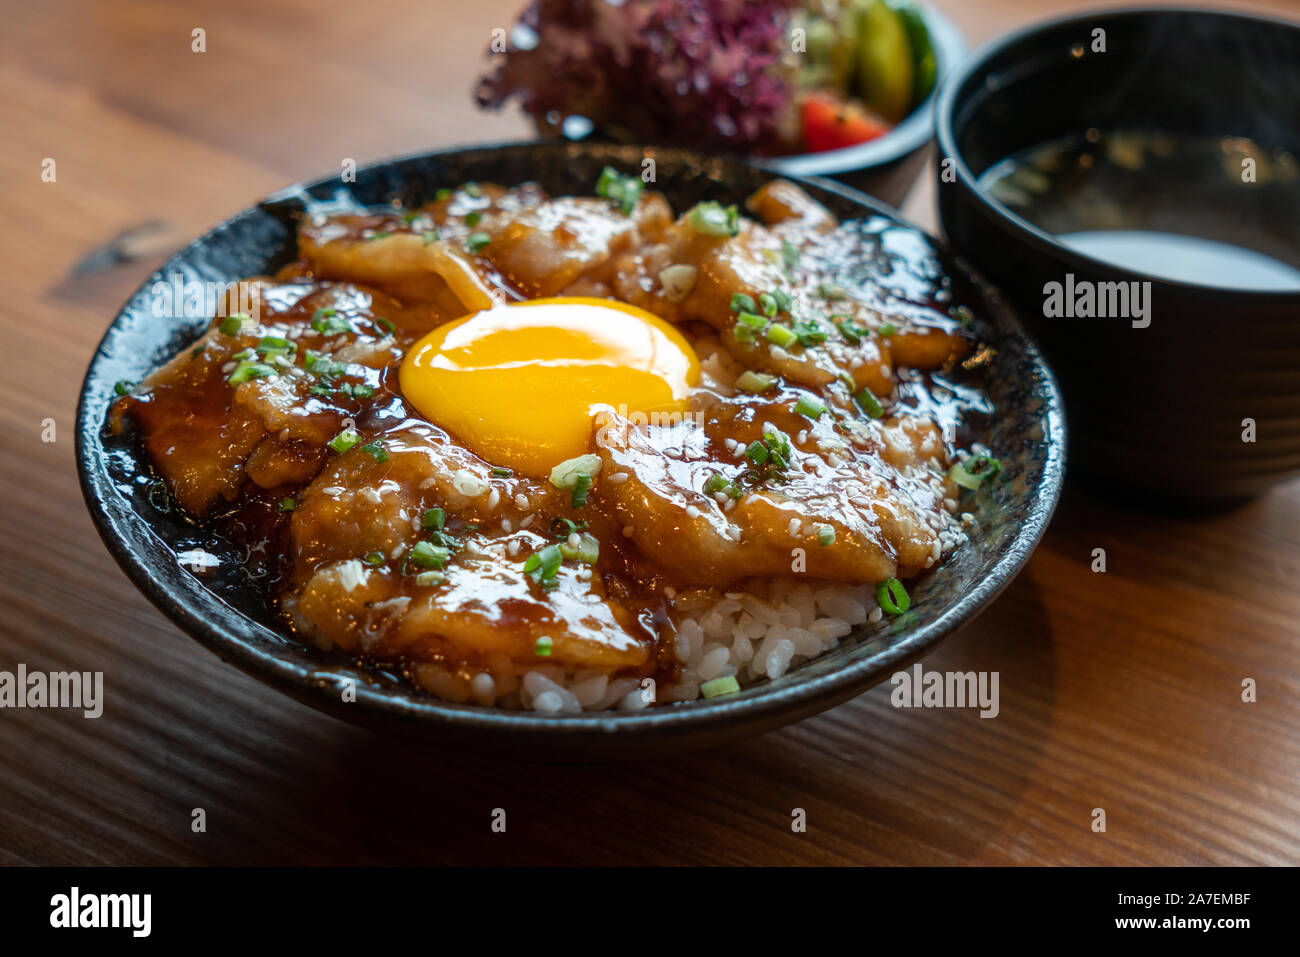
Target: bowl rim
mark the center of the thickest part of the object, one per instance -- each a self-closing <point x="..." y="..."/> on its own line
<point x="909" y="134"/>
<point x="128" y="538"/>
<point x="959" y="84"/>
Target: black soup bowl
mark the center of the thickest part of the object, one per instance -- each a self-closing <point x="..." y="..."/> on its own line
<point x="220" y="607"/>
<point x="1198" y="402"/>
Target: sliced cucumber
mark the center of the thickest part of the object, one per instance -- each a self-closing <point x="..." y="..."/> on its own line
<point x="886" y="70"/>
<point x="923" y="59"/>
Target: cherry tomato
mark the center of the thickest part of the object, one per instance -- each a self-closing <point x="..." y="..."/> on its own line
<point x="830" y="123"/>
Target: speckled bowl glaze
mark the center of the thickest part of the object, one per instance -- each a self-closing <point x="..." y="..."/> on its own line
<point x="144" y="533"/>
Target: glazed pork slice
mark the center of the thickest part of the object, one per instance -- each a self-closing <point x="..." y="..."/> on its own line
<point x="691" y="499"/>
<point x="801" y="325"/>
<point x="374" y="575"/>
<point x="259" y="400"/>
<point x="482" y="246"/>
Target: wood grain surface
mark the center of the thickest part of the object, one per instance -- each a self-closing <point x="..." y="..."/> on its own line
<point x="1119" y="691"/>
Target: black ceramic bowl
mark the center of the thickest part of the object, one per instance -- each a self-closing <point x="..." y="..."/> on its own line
<point x="1161" y="409"/>
<point x="887" y="166"/>
<point x="221" y="611"/>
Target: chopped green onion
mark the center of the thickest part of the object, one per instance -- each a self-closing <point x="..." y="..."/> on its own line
<point x="501" y="471"/>
<point x="378" y="235"/>
<point x="428" y="555"/>
<point x="288" y="504"/>
<point x="751" y="381"/>
<point x="848" y="330"/>
<point x="770" y="456"/>
<point x="624" y="190"/>
<point x="542" y="565"/>
<point x="477" y="242"/>
<point x="562" y="528"/>
<point x="767" y="303"/>
<point x="789" y="255"/>
<point x="892" y="596"/>
<point x="434" y="518"/>
<point x="740" y="302"/>
<point x="712" y="219"/>
<point x="248" y="369"/>
<point x="809" y="331"/>
<point x="472" y="218"/>
<point x="124" y="387"/>
<point x="328" y="323"/>
<point x="720" y="686"/>
<point x="385" y="325"/>
<point x="321" y="365"/>
<point x="345" y="440"/>
<point x="784" y="301"/>
<point x="543" y="646"/>
<point x="374" y="558"/>
<point x="974" y="471"/>
<point x="442" y="194"/>
<point x="234" y="323"/>
<point x="430" y="236"/>
<point x="581" y="484"/>
<point x="717" y="483"/>
<point x="781" y="335"/>
<point x="565" y="475"/>
<point x="361" y="391"/>
<point x="472" y="189"/>
<point x="586" y="551"/>
<point x="275" y="345"/>
<point x="831" y="291"/>
<point x="825" y="535"/>
<point x="888" y="329"/>
<point x="869" y="403"/>
<point x="809" y="406"/>
<point x="376" y="451"/>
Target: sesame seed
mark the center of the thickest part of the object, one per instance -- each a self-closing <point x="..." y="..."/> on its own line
<point x="574" y="540"/>
<point x="670" y="592"/>
<point x="284" y="434"/>
<point x="528" y="520"/>
<point x="494" y="498"/>
<point x="794" y="527"/>
<point x="521" y="500"/>
<point x="692" y="511"/>
<point x="627" y="531"/>
<point x="506" y="525"/>
<point x="427" y="483"/>
<point x="512" y="549"/>
<point x="618" y="478"/>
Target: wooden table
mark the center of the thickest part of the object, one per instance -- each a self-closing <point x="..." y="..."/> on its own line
<point x="1119" y="690"/>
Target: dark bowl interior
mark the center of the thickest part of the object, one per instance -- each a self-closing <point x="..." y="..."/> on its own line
<point x="1157" y="410"/>
<point x="145" y="533"/>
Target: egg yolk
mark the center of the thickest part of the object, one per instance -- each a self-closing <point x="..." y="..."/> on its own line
<point x="520" y="384"/>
